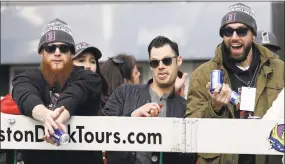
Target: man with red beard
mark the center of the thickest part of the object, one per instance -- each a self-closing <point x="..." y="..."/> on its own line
<point x="57" y="91"/>
<point x="243" y="63"/>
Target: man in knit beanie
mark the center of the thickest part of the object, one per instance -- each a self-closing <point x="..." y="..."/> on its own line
<point x="249" y="69"/>
<point x="56" y="92"/>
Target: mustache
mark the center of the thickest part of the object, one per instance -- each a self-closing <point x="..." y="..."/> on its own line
<point x="52" y="75"/>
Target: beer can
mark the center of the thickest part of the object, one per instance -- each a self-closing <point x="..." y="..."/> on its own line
<point x="235" y="98"/>
<point x="216" y="77"/>
<point x="59" y="137"/>
<point x="254" y="117"/>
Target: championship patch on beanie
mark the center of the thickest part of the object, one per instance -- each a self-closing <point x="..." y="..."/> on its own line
<point x="231" y="17"/>
<point x="56" y="31"/>
<point x="240" y="13"/>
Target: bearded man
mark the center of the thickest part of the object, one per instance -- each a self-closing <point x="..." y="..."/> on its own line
<point x="57" y="91"/>
<point x="248" y="68"/>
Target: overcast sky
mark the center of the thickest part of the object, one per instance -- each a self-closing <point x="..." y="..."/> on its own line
<point x="121" y="27"/>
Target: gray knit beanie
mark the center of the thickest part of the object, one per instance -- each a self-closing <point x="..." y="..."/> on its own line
<point x="240" y="13"/>
<point x="56" y="31"/>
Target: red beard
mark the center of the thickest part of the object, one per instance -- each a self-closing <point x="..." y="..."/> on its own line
<point x="52" y="75"/>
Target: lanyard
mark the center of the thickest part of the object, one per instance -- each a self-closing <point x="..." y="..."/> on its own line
<point x="249" y="83"/>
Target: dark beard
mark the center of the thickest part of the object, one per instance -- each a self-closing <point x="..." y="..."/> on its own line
<point x="52" y="76"/>
<point x="166" y="85"/>
<point x="237" y="60"/>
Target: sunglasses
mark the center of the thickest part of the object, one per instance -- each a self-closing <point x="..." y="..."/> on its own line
<point x="228" y="32"/>
<point x="166" y="61"/>
<point x="52" y="47"/>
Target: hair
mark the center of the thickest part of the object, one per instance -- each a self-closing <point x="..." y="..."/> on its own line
<point x="160" y="41"/>
<point x="115" y="74"/>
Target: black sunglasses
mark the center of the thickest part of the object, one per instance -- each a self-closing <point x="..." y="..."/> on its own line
<point x="50" y="48"/>
<point x="166" y="61"/>
<point x="228" y="32"/>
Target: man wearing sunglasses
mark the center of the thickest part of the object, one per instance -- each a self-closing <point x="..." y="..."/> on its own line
<point x="55" y="92"/>
<point x="157" y="98"/>
<point x="244" y="64"/>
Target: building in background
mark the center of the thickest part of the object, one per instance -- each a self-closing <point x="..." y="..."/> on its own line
<point x="123" y="27"/>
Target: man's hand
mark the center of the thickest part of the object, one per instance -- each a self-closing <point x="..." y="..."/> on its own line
<point x="220" y="97"/>
<point x="51" y="123"/>
<point x="147" y="110"/>
<point x="180" y="83"/>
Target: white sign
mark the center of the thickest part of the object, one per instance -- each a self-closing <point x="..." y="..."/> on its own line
<point x="231" y="136"/>
<point x="97" y="133"/>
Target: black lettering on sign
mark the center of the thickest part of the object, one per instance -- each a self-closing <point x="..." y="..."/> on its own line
<point x="9" y="134"/>
<point x="80" y="132"/>
<point x="71" y="135"/>
<point x="98" y="139"/>
<point x="141" y="141"/>
<point x="129" y="138"/>
<point x="154" y="137"/>
<point x="117" y="137"/>
<point x="108" y="136"/>
<point x="2" y="137"/>
<point x="18" y="136"/>
<point x="37" y="128"/>
<point x="89" y="137"/>
<point x="31" y="136"/>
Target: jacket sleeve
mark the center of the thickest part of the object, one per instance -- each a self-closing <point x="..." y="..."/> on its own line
<point x="84" y="86"/>
<point x="199" y="103"/>
<point x="26" y="92"/>
<point x="115" y="103"/>
<point x="276" y="111"/>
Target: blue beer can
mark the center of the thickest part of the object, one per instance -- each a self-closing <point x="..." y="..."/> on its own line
<point x="254" y="117"/>
<point x="216" y="77"/>
<point x="59" y="137"/>
<point x="235" y="98"/>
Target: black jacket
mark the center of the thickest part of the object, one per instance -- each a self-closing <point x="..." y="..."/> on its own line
<point x="80" y="96"/>
<point x="128" y="97"/>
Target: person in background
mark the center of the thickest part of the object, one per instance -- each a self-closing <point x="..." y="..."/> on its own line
<point x="88" y="57"/>
<point x="244" y="64"/>
<point x="57" y="91"/>
<point x="142" y="100"/>
<point x="119" y="70"/>
<point x="268" y="40"/>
